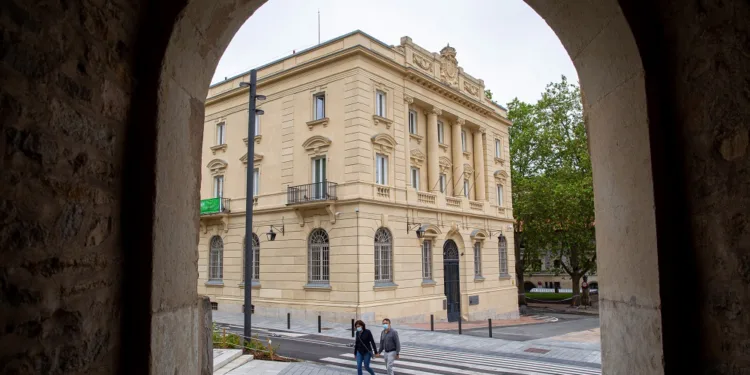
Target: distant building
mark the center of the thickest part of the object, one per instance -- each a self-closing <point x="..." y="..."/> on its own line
<point x="550" y="277"/>
<point x="361" y="147"/>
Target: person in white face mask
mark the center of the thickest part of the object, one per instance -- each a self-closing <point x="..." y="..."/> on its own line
<point x="390" y="345"/>
<point x="364" y="347"/>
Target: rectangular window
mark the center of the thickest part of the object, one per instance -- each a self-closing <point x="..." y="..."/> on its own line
<point x="502" y="247"/>
<point x="466" y="188"/>
<point x="500" y="195"/>
<point x="442" y="183"/>
<point x="221" y="133"/>
<point x="218" y="186"/>
<point x="256" y="182"/>
<point x="427" y="260"/>
<point x="463" y="140"/>
<point x="257" y="124"/>
<point x="441" y="132"/>
<point x="380" y="103"/>
<point x="319" y="101"/>
<point x="319" y="178"/>
<point x="415" y="178"/>
<point x="381" y="169"/>
<point x="477" y="259"/>
<point x="498" y="149"/>
<point x="413" y="122"/>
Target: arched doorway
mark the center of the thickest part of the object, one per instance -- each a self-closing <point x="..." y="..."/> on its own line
<point x="451" y="271"/>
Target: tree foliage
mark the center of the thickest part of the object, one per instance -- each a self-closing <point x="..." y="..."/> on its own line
<point x="488" y="94"/>
<point x="553" y="195"/>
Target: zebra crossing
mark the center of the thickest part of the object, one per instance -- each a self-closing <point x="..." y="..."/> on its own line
<point x="423" y="361"/>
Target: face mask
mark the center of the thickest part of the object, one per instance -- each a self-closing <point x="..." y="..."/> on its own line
<point x="359" y="329"/>
<point x="385" y="326"/>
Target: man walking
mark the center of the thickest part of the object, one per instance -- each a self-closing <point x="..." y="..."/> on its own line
<point x="390" y="344"/>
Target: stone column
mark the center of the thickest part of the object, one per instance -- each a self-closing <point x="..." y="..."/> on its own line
<point x="433" y="150"/>
<point x="458" y="158"/>
<point x="479" y="182"/>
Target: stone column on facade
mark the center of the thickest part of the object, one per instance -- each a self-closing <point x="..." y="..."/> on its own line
<point x="479" y="181"/>
<point x="433" y="150"/>
<point x="458" y="158"/>
<point x="408" y="100"/>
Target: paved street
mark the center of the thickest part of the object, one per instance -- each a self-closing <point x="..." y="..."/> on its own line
<point x="441" y="352"/>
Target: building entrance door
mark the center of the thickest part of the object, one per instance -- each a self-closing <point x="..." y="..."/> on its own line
<point x="452" y="283"/>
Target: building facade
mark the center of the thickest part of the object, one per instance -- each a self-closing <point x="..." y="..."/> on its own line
<point x="382" y="171"/>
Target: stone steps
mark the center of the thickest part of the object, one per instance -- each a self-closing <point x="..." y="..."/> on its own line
<point x="239" y="361"/>
<point x="224" y="356"/>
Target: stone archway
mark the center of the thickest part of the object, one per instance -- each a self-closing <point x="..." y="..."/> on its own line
<point x="603" y="49"/>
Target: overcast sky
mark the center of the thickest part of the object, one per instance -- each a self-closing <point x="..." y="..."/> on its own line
<point x="503" y="42"/>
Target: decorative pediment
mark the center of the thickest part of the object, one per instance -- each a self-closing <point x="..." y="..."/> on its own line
<point x="217" y="166"/>
<point x="383" y="142"/>
<point x="256" y="159"/>
<point x="445" y="164"/>
<point x="317" y="144"/>
<point x="468" y="170"/>
<point x="501" y="175"/>
<point x="479" y="235"/>
<point x="430" y="230"/>
<point x="417" y="157"/>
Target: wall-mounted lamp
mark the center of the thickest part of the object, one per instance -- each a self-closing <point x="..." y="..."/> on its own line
<point x="412" y="226"/>
<point x="272" y="235"/>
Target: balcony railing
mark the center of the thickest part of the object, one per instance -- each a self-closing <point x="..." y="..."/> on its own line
<point x="214" y="206"/>
<point x="315" y="192"/>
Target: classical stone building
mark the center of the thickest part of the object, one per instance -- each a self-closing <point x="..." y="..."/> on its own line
<point x="383" y="172"/>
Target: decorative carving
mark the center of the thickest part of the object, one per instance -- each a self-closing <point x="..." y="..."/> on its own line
<point x="422" y="62"/>
<point x="434" y="110"/>
<point x="221" y="147"/>
<point x="449" y="66"/>
<point x="471" y="89"/>
<point x="323" y="121"/>
<point x="217" y="166"/>
<point x="461" y="121"/>
<point x="382" y="120"/>
<point x="445" y="164"/>
<point x="316" y="145"/>
<point x="468" y="170"/>
<point x="408" y="99"/>
<point x="501" y="175"/>
<point x="417" y="157"/>
<point x="383" y="143"/>
<point x="256" y="158"/>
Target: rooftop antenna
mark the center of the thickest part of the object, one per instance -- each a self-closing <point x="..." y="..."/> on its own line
<point x="318" y="26"/>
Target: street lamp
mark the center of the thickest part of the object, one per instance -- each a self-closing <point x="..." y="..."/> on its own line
<point x="271" y="235"/>
<point x="252" y="112"/>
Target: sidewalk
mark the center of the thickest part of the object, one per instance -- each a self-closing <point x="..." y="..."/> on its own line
<point x="446" y="326"/>
<point x="556" y="347"/>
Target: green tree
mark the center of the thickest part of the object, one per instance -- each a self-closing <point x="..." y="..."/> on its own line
<point x="553" y="195"/>
<point x="488" y="94"/>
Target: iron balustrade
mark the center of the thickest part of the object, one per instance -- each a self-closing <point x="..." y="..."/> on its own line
<point x="314" y="192"/>
<point x="214" y="206"/>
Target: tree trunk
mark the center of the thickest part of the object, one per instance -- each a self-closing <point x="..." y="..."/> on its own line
<point x="519" y="269"/>
<point x="576" y="278"/>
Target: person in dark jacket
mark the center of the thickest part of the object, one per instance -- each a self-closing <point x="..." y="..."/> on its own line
<point x="364" y="347"/>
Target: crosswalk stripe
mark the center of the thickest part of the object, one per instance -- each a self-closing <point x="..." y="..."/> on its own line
<point x="376" y="366"/>
<point x="401" y="362"/>
<point x="503" y="361"/>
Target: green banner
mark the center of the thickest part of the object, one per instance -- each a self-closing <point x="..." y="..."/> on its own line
<point x="210" y="206"/>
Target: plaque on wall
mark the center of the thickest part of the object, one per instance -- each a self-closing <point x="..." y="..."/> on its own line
<point x="445" y="304"/>
<point x="473" y="300"/>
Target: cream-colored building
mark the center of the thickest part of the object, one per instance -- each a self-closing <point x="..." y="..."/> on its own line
<point x="362" y="146"/>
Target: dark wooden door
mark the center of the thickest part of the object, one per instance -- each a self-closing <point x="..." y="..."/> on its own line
<point x="452" y="283"/>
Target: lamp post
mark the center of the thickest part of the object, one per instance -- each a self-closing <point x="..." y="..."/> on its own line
<point x="249" y="200"/>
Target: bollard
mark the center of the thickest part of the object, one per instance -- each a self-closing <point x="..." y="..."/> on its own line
<point x="352" y="327"/>
<point x="489" y="321"/>
<point x="432" y="322"/>
<point x="288" y="320"/>
<point x="459" y="325"/>
<point x="318" y="323"/>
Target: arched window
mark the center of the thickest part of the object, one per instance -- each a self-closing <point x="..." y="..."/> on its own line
<point x="216" y="259"/>
<point x="317" y="257"/>
<point x="502" y="248"/>
<point x="255" y="266"/>
<point x="477" y="259"/>
<point x="383" y="256"/>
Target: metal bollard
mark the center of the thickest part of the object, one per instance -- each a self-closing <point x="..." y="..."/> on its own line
<point x="319" y="324"/>
<point x="288" y="320"/>
<point x="432" y="322"/>
<point x="459" y="325"/>
<point x="489" y="321"/>
<point x="352" y="327"/>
